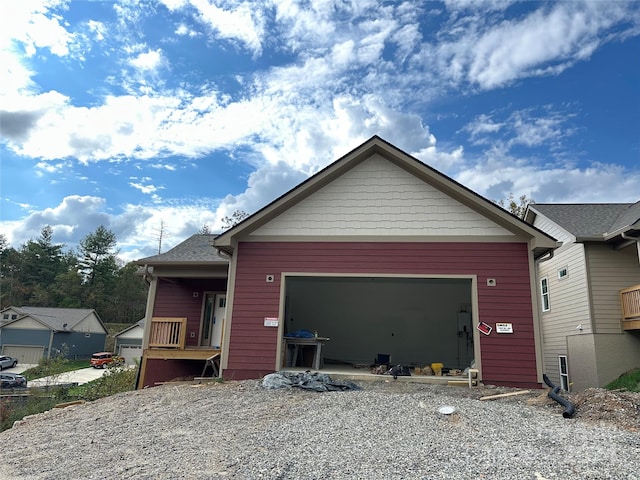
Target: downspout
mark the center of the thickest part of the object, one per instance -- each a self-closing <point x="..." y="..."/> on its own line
<point x="50" y="344"/>
<point x="633" y="239"/>
<point x="535" y="304"/>
<point x="569" y="409"/>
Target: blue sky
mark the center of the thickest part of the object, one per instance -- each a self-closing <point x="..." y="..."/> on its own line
<point x="176" y="113"/>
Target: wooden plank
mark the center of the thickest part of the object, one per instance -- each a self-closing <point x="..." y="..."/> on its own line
<point x="458" y="383"/>
<point x="69" y="404"/>
<point x="502" y="395"/>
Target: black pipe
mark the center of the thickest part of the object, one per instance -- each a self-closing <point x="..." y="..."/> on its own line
<point x="553" y="394"/>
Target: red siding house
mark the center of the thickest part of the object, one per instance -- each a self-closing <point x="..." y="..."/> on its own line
<point x="184" y="317"/>
<point x="382" y="254"/>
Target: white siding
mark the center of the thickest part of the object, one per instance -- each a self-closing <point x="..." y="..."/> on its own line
<point x="569" y="304"/>
<point x="553" y="229"/>
<point x="28" y="323"/>
<point x="611" y="270"/>
<point x="377" y="192"/>
<point x="134" y="333"/>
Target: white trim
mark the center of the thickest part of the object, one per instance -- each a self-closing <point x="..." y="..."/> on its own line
<point x="564" y="375"/>
<point x="564" y="269"/>
<point x="544" y="294"/>
<point x="477" y="352"/>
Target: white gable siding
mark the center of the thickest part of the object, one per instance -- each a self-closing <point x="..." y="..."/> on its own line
<point x="28" y="323"/>
<point x="134" y="333"/>
<point x="8" y="315"/>
<point x="611" y="270"/>
<point x="553" y="229"/>
<point x="89" y="325"/>
<point x="569" y="304"/>
<point x="378" y="198"/>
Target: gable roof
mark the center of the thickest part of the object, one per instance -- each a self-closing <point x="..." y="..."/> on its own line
<point x="139" y="323"/>
<point x="590" y="221"/>
<point x="57" y="319"/>
<point x="541" y="242"/>
<point x="197" y="249"/>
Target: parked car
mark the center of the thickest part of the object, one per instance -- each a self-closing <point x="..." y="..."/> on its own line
<point x="102" y="359"/>
<point x="12" y="380"/>
<point x="7" y="362"/>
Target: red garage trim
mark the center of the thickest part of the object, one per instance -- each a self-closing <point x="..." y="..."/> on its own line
<point x="506" y="359"/>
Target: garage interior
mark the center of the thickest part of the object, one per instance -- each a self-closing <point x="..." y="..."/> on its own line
<point x="417" y="321"/>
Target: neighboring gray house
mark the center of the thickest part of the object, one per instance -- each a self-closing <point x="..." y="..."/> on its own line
<point x="31" y="333"/>
<point x="128" y="342"/>
<point x="589" y="291"/>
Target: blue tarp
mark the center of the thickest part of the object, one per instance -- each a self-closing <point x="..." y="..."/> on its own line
<point x="301" y="334"/>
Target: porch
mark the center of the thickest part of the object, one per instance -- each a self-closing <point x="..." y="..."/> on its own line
<point x="167" y="342"/>
<point x="630" y="305"/>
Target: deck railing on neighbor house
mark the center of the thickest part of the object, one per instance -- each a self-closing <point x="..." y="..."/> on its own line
<point x="168" y="333"/>
<point x="630" y="303"/>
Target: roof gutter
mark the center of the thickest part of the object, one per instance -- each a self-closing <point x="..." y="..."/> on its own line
<point x="224" y="253"/>
<point x="631" y="239"/>
<point x="545" y="257"/>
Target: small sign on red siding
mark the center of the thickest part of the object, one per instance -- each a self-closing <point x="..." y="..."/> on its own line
<point x="504" y="327"/>
<point x="270" y="321"/>
<point x="485" y="328"/>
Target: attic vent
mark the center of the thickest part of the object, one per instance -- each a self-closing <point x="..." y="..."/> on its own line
<point x="65" y="326"/>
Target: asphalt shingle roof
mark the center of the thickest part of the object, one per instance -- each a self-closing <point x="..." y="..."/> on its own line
<point x="197" y="248"/>
<point x="56" y="318"/>
<point x="591" y="219"/>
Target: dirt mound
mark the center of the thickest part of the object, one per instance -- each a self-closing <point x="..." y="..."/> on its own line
<point x="620" y="408"/>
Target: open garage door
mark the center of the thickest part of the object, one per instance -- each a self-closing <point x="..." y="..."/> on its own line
<point x="26" y="354"/>
<point x="417" y="321"/>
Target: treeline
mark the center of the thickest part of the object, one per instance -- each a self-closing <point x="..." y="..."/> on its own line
<point x="42" y="274"/>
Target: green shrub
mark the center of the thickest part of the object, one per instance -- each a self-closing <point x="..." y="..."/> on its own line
<point x="114" y="380"/>
<point x="13" y="410"/>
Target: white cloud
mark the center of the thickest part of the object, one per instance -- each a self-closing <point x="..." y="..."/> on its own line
<point x="238" y="22"/>
<point x="545" y="126"/>
<point x="482" y="125"/>
<point x="149" y="60"/>
<point x="544" y="42"/>
<point x="147" y="189"/>
<point x="30" y="24"/>
<point x="499" y="174"/>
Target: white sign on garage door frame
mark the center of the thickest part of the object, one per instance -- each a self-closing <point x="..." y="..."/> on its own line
<point x="26" y="354"/>
<point x="130" y="353"/>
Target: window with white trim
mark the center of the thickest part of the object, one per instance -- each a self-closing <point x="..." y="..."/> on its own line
<point x="563" y="273"/>
<point x="544" y="294"/>
<point x="564" y="372"/>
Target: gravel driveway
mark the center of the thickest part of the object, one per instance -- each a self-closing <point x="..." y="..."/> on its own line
<point x="386" y="430"/>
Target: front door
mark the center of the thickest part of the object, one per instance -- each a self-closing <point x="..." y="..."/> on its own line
<point x="214" y="310"/>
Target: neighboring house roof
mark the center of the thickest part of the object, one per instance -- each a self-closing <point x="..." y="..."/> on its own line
<point x="139" y="323"/>
<point x="196" y="249"/>
<point x="57" y="319"/>
<point x="540" y="241"/>
<point x="590" y="221"/>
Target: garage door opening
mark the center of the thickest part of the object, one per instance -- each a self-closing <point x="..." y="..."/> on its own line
<point x="417" y="321"/>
